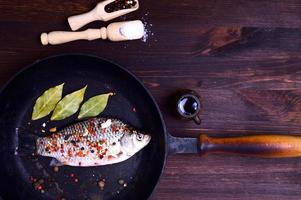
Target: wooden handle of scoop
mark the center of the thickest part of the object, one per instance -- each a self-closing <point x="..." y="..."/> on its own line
<point x="60" y="37"/>
<point x="273" y="146"/>
<point x="78" y="21"/>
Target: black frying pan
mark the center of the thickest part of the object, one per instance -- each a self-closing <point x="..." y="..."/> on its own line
<point x="141" y="172"/>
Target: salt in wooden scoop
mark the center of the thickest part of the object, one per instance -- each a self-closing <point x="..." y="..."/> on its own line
<point x="118" y="31"/>
<point x="104" y="11"/>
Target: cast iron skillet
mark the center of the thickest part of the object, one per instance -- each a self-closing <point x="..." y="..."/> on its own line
<point x="141" y="172"/>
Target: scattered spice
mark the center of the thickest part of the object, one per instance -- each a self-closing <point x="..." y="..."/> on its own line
<point x="147" y="31"/>
<point x="16" y="150"/>
<point x="53" y="129"/>
<point x="76" y="180"/>
<point x="56" y="169"/>
<point x="71" y="175"/>
<point x="41" y="181"/>
<point x="119" y="5"/>
<point x="121" y="181"/>
<point x="101" y="184"/>
<point x="39" y="187"/>
<point x="134" y="109"/>
<point x="33" y="180"/>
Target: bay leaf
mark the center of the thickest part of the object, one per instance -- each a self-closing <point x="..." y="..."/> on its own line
<point x="69" y="105"/>
<point x="94" y="106"/>
<point x="47" y="102"/>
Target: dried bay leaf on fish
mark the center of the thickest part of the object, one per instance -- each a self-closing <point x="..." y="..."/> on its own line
<point x="94" y="106"/>
<point x="47" y="102"/>
<point x="68" y="105"/>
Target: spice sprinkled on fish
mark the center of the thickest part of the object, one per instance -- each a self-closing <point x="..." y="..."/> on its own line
<point x="95" y="142"/>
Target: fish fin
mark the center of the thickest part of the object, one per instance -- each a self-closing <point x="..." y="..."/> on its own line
<point x="26" y="144"/>
<point x="55" y="163"/>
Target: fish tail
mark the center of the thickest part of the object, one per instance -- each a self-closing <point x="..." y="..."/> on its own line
<point x="26" y="144"/>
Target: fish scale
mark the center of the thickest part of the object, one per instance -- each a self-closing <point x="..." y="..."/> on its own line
<point x="97" y="141"/>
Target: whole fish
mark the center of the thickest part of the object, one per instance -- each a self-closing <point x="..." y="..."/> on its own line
<point x="95" y="142"/>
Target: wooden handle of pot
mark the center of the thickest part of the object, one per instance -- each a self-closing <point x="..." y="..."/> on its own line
<point x="273" y="146"/>
<point x="60" y="37"/>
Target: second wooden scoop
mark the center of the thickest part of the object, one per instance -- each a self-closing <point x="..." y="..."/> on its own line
<point x="119" y="31"/>
<point x="99" y="13"/>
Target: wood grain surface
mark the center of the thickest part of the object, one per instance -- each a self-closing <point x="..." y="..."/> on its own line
<point x="242" y="57"/>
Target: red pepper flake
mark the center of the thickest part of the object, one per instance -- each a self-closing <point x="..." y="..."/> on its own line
<point x="134" y="109"/>
<point x="71" y="175"/>
<point x="39" y="187"/>
<point x="81" y="154"/>
<point x="32" y="179"/>
<point x="76" y="180"/>
<point x="70" y="154"/>
<point x="110" y="157"/>
<point x="52" y="130"/>
<point x="91" y="125"/>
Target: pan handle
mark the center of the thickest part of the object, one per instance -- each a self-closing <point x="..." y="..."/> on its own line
<point x="270" y="146"/>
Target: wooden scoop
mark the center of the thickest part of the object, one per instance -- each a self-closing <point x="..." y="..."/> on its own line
<point x="98" y="13"/>
<point x="118" y="31"/>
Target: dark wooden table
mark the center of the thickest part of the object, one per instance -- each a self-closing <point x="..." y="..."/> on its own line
<point x="242" y="57"/>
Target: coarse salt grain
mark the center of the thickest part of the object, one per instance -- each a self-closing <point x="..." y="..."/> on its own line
<point x="133" y="30"/>
<point x="106" y="124"/>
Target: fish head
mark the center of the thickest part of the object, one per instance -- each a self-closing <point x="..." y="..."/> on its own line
<point x="133" y="141"/>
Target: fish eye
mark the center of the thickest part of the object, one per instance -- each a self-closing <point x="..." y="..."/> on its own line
<point x="139" y="137"/>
